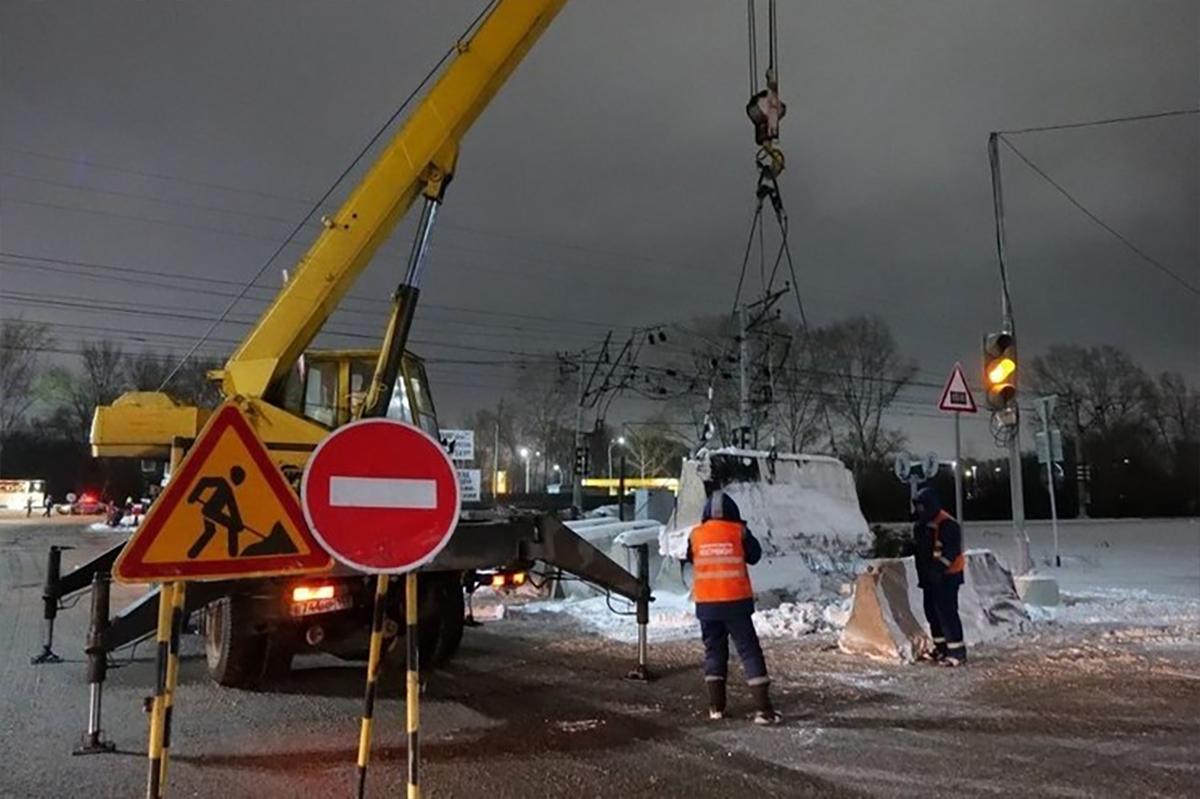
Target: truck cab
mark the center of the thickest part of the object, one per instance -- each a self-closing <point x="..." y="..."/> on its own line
<point x="329" y="387"/>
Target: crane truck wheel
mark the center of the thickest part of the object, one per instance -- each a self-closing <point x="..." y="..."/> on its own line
<point x="450" y="622"/>
<point x="235" y="650"/>
<point x="440" y="623"/>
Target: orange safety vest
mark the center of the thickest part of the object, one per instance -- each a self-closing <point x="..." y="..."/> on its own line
<point x="719" y="562"/>
<point x="959" y="563"/>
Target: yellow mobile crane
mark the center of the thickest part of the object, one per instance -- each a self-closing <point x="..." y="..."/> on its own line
<point x="254" y="627"/>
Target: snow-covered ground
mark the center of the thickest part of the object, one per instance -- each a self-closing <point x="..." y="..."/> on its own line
<point x="1132" y="574"/>
<point x="1114" y="571"/>
<point x="128" y="525"/>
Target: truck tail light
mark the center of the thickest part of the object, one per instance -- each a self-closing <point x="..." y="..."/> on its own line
<point x="304" y="593"/>
<point x="508" y="579"/>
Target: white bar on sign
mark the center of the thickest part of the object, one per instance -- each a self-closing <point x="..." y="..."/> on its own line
<point x="382" y="492"/>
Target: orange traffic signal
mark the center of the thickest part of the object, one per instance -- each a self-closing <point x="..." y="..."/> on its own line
<point x="1000" y="370"/>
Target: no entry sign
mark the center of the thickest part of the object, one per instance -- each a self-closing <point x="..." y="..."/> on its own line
<point x="381" y="495"/>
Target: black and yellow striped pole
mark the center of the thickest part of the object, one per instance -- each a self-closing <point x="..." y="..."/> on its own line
<point x="373" y="662"/>
<point x="412" y="694"/>
<point x="177" y="599"/>
<point x="158" y="709"/>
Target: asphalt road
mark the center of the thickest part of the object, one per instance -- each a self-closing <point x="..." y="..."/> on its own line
<point x="536" y="707"/>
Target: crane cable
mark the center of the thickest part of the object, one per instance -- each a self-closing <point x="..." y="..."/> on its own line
<point x="762" y="110"/>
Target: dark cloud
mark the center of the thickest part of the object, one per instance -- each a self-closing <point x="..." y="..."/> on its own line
<point x="611" y="179"/>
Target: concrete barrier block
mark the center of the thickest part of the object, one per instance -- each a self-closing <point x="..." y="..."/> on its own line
<point x="1038" y="589"/>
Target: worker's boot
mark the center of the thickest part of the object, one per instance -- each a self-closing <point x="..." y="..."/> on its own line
<point x="716" y="699"/>
<point x="956" y="655"/>
<point x="764" y="712"/>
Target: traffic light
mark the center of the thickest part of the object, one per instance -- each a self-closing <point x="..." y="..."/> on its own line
<point x="1000" y="370"/>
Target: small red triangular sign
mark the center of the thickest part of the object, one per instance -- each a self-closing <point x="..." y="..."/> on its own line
<point x="956" y="396"/>
<point x="226" y="513"/>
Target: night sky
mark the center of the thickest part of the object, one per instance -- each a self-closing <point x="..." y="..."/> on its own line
<point x="610" y="183"/>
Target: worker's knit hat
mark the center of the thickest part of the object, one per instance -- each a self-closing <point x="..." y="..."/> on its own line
<point x="721" y="506"/>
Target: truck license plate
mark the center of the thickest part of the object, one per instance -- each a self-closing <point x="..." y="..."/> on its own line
<point x="310" y="607"/>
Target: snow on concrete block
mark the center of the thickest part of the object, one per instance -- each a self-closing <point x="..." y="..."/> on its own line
<point x="988" y="601"/>
<point x="1038" y="589"/>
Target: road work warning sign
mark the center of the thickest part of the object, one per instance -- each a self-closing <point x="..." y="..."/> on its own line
<point x="228" y="512"/>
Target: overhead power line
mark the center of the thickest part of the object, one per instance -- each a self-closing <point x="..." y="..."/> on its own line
<point x="1154" y="262"/>
<point x="141" y="273"/>
<point x="1095" y="123"/>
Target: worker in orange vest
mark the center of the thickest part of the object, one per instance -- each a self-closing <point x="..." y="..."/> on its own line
<point x="940" y="565"/>
<point x="720" y="548"/>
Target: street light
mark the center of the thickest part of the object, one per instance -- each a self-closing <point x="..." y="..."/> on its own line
<point x="619" y="442"/>
<point x="524" y="453"/>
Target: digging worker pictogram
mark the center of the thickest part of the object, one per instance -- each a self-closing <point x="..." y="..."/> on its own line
<point x="220" y="510"/>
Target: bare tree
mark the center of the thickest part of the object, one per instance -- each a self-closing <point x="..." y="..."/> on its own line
<point x="1099" y="388"/>
<point x="146" y="370"/>
<point x="192" y="384"/>
<point x="99" y="381"/>
<point x="862" y="372"/>
<point x="1173" y="409"/>
<point x="21" y="347"/>
<point x="542" y="411"/>
<point x="707" y="361"/>
<point x="653" y="449"/>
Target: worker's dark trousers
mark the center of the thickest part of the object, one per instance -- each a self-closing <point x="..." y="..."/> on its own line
<point x="941" y="611"/>
<point x="716" y="634"/>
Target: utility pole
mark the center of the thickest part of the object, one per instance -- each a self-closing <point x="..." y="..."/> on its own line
<point x="743" y="382"/>
<point x="1046" y="411"/>
<point x="746" y="413"/>
<point x="1081" y="483"/>
<point x="577" y="476"/>
<point x="1016" y="489"/>
<point x="496" y="450"/>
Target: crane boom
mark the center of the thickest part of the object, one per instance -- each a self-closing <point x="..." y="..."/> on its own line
<point x="419" y="159"/>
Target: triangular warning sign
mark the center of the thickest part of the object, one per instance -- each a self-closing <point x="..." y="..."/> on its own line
<point x="227" y="512"/>
<point x="956" y="396"/>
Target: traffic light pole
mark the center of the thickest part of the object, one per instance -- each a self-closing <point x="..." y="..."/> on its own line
<point x="1016" y="490"/>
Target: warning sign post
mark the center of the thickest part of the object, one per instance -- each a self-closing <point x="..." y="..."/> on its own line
<point x="957" y="399"/>
<point x="226" y="513"/>
<point x="383" y="497"/>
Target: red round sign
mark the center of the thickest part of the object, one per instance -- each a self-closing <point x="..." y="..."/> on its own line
<point x="381" y="495"/>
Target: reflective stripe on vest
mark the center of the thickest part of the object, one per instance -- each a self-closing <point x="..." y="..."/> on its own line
<point x="719" y="562"/>
<point x="959" y="563"/>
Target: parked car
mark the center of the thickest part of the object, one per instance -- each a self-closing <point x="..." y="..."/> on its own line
<point x="88" y="504"/>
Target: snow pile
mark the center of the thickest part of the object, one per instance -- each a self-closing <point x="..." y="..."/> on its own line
<point x="1112" y="606"/>
<point x="673" y="617"/>
<point x="128" y="525"/>
<point x="795" y="619"/>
